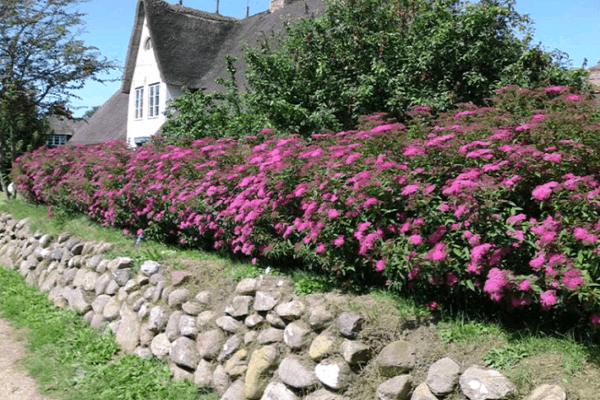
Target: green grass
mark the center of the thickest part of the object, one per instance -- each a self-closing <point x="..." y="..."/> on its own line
<point x="76" y="362"/>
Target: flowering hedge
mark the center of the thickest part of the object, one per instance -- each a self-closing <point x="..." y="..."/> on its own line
<point x="499" y="201"/>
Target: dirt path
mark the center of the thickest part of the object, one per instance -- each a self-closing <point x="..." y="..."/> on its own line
<point x="15" y="382"/>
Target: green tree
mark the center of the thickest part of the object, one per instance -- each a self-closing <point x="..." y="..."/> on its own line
<point x="42" y="62"/>
<point x="364" y="56"/>
<point x="89" y="113"/>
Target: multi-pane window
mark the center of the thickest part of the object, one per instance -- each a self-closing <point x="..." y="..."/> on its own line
<point x="56" y="140"/>
<point x="153" y="100"/>
<point x="139" y="103"/>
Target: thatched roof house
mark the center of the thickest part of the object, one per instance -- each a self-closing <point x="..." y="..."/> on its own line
<point x="61" y="129"/>
<point x="172" y="46"/>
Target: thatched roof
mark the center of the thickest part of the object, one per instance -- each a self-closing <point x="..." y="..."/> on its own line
<point x="60" y="125"/>
<point x="109" y="122"/>
<point x="190" y="45"/>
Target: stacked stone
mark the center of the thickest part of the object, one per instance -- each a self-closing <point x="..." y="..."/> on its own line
<point x="265" y="343"/>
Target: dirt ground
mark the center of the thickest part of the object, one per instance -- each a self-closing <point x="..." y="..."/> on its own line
<point x="15" y="383"/>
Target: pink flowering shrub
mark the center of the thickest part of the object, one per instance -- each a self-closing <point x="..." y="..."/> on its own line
<point x="500" y="202"/>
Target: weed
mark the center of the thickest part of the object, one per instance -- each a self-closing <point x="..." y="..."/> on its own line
<point x="502" y="358"/>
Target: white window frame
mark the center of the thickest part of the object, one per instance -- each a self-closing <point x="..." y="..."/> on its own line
<point x="56" y="140"/>
<point x="139" y="103"/>
<point x="153" y="100"/>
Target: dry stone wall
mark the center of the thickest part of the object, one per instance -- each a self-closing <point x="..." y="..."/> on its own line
<point x="263" y="343"/>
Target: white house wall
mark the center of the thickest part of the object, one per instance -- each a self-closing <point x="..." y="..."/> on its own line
<point x="146" y="73"/>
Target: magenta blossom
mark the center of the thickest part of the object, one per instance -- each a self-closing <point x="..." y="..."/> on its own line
<point x="380" y="265"/>
<point x="544" y="191"/>
<point x="548" y="299"/>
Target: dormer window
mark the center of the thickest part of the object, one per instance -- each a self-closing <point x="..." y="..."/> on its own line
<point x="148" y="44"/>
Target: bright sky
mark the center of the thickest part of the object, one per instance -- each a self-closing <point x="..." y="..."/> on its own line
<point x="569" y="25"/>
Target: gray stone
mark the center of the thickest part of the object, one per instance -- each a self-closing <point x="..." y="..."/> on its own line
<point x="121" y="276"/>
<point x="79" y="277"/>
<point x="94" y="261"/>
<point x="240" y="306"/>
<point x="324" y="394"/>
<point x="396" y="388"/>
<point x="228" y="324"/>
<point x="296" y="335"/>
<point x="99" y="303"/>
<point x="88" y="316"/>
<point x="146" y="336"/>
<point x="156" y="278"/>
<point x="443" y="376"/>
<point x="142" y="352"/>
<point x="172" y="330"/>
<point x="187" y="326"/>
<point x="296" y="373"/>
<point x="120" y="263"/>
<point x="485" y="384"/>
<point x="192" y="307"/>
<point x="128" y="334"/>
<point x="122" y="294"/>
<point x="131" y="285"/>
<point x="204" y="373"/>
<point x="278" y="391"/>
<point x="275" y="320"/>
<point x="76" y="249"/>
<point x="221" y="380"/>
<point x="179" y="373"/>
<point x="184" y="353"/>
<point x="76" y="299"/>
<point x="266" y="301"/>
<point x="50" y="281"/>
<point x="60" y="302"/>
<point x="247" y="286"/>
<point x="45" y="241"/>
<point x="89" y="281"/>
<point x="160" y="346"/>
<point x="270" y="335"/>
<point x="149" y="292"/>
<point x="253" y="320"/>
<point x="102" y="266"/>
<point x="111" y="308"/>
<point x="204" y="297"/>
<point x="354" y="352"/>
<point x="98" y="321"/>
<point x="250" y="337"/>
<point x="209" y="343"/>
<point x="149" y="267"/>
<point x="350" y="324"/>
<point x="157" y="290"/>
<point x="204" y="318"/>
<point x="158" y="319"/>
<point x="320" y="318"/>
<point x="396" y="358"/>
<point x="422" y="392"/>
<point x="137" y="306"/>
<point x="102" y="284"/>
<point x="334" y="373"/>
<point x="231" y="346"/>
<point x="178" y="297"/>
<point x="291" y="310"/>
<point x="235" y="391"/>
<point x="547" y="392"/>
<point x="112" y="287"/>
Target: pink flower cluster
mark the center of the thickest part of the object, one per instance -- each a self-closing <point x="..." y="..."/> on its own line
<point x="444" y="208"/>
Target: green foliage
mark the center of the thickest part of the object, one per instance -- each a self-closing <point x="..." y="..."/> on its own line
<point x="364" y="56"/>
<point x="502" y="358"/>
<point x="308" y="286"/>
<point x="215" y="115"/>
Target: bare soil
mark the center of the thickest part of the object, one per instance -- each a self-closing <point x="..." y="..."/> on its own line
<point x="15" y="382"/>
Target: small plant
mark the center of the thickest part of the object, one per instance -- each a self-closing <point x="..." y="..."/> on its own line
<point x="308" y="286"/>
<point x="509" y="355"/>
